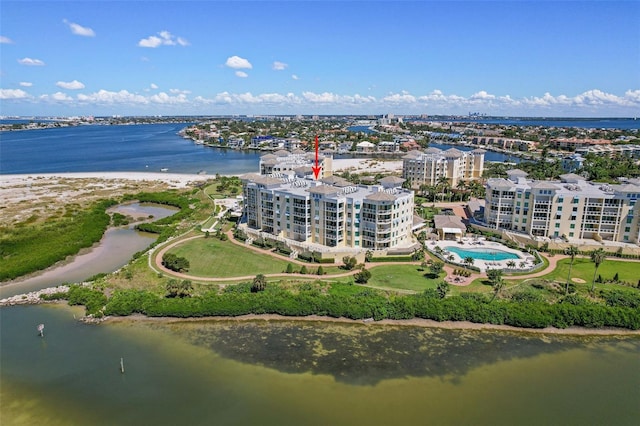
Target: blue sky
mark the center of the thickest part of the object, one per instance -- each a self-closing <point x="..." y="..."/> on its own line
<point x="543" y="58"/>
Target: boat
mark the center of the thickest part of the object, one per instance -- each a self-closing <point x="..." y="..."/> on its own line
<point x="164" y="169"/>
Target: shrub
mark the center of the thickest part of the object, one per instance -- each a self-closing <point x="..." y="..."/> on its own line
<point x="363" y="276"/>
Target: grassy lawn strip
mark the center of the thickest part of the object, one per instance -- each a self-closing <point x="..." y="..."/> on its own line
<point x="210" y="257"/>
<point x="584" y="268"/>
<point x="405" y="277"/>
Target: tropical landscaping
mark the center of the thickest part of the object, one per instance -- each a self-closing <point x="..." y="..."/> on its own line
<point x="193" y="273"/>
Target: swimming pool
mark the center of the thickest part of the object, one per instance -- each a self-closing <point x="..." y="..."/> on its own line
<point x="482" y="253"/>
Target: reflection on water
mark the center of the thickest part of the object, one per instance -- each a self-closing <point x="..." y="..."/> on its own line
<point x="280" y="373"/>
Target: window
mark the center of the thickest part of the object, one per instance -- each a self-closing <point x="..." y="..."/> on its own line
<point x="557" y="225"/>
<point x="572" y="226"/>
<point x="571" y="234"/>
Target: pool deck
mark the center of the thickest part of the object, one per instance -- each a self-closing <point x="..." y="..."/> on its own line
<point x="481" y="243"/>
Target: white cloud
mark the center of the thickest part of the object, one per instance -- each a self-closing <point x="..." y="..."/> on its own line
<point x="279" y="66"/>
<point x="70" y="85"/>
<point x="295" y="77"/>
<point x="165" y="39"/>
<point x="107" y="97"/>
<point x="153" y="86"/>
<point x="241" y="74"/>
<point x="236" y="62"/>
<point x="26" y="84"/>
<point x="163" y="98"/>
<point x="5" y="40"/>
<point x="13" y="94"/>
<point x="482" y="95"/>
<point x="593" y="103"/>
<point x="78" y="29"/>
<point x="31" y="62"/>
<point x="400" y="98"/>
<point x="57" y="97"/>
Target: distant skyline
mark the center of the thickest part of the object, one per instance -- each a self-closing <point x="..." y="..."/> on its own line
<point x="515" y="58"/>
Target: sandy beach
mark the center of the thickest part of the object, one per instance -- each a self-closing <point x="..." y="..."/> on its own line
<point x="176" y="180"/>
<point x="372" y="165"/>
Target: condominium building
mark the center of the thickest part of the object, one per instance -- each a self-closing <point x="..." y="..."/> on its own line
<point x="331" y="212"/>
<point x="297" y="161"/>
<point x="611" y="150"/>
<point x="427" y="167"/>
<point x="571" y="208"/>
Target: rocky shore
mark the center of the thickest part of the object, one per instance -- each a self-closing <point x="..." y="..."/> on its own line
<point x="32" y="298"/>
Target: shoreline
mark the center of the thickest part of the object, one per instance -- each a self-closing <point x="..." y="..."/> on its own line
<point x="33" y="298"/>
<point x="415" y="322"/>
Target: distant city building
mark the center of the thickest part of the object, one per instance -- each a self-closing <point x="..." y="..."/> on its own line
<point x="427" y="167"/>
<point x="298" y="161"/>
<point x="572" y="208"/>
<point x="332" y="212"/>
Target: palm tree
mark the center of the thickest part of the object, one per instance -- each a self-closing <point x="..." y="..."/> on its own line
<point x="571" y="251"/>
<point x="443" y="183"/>
<point x="259" y="283"/>
<point x="511" y="264"/>
<point x="469" y="260"/>
<point x="597" y="256"/>
<point x="498" y="285"/>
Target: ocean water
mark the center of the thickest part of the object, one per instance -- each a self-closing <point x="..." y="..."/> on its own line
<point x="136" y="148"/>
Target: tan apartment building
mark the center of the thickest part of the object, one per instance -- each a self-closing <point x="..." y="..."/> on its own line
<point x="428" y="166"/>
<point x="571" y="208"/>
<point x="332" y="212"/>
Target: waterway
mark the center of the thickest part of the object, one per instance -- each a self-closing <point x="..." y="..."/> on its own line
<point x="310" y="373"/>
<point x="112" y="252"/>
<point x="135" y="148"/>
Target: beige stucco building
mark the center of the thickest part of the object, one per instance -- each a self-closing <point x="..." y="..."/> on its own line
<point x="427" y="167"/>
<point x="571" y="208"/>
<point x="331" y="212"/>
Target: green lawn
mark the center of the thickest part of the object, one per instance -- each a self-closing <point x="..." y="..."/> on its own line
<point x="584" y="268"/>
<point x="210" y="257"/>
<point x="405" y="277"/>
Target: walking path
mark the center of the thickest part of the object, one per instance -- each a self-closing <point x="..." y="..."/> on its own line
<point x="155" y="262"/>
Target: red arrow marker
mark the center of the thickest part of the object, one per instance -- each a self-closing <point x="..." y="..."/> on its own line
<point x="316" y="169"/>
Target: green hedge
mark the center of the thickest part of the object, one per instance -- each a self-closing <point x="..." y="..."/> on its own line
<point x="359" y="303"/>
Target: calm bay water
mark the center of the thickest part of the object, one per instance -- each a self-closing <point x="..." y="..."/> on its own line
<point x="136" y="148"/>
<point x="286" y="373"/>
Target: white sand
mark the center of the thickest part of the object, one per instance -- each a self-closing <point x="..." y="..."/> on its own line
<point x="360" y="165"/>
<point x="174" y="179"/>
